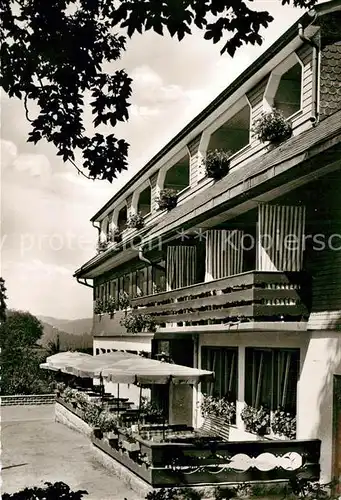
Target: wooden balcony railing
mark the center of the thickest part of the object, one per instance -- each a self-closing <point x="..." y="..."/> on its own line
<point x="252" y="296"/>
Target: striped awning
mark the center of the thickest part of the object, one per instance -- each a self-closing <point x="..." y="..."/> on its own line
<point x="125" y="368"/>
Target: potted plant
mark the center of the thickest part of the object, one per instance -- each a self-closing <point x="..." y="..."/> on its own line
<point x="216" y="407"/>
<point x="135" y="221"/>
<point x="111" y="306"/>
<point x="137" y="323"/>
<point x="102" y="246"/>
<point x="107" y="423"/>
<point x="99" y="307"/>
<point x="284" y="424"/>
<point x="217" y="163"/>
<point x="256" y="420"/>
<point x="272" y="127"/>
<point x="123" y="301"/>
<point x="168" y="199"/>
<point x="59" y="389"/>
<point x="150" y="412"/>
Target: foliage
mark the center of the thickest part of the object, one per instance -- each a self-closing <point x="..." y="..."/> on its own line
<point x="150" y="409"/>
<point x="135" y="221"/>
<point x="174" y="494"/>
<point x="54" y="54"/>
<point x="21" y="357"/>
<point x="217" y="163"/>
<point x="123" y="300"/>
<point x="99" y="306"/>
<point x="107" y="422"/>
<point x="111" y="305"/>
<point x="256" y="420"/>
<point x="284" y="424"/>
<point x="3" y="297"/>
<point x="53" y="346"/>
<point x="168" y="199"/>
<point x="219" y="408"/>
<point x="69" y="395"/>
<point x="82" y="400"/>
<point x="272" y="127"/>
<point x="92" y="414"/>
<point x="58" y="490"/>
<point x="224" y="493"/>
<point x="137" y="323"/>
<point x="59" y="387"/>
<point x="102" y="246"/>
<point x="311" y="490"/>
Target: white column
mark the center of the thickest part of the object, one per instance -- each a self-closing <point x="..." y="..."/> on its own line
<point x="241" y="387"/>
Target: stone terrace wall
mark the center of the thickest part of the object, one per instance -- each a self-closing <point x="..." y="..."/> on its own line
<point x="27" y="399"/>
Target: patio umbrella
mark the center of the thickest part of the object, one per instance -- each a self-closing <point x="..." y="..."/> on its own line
<point x="94" y="365"/>
<point x="60" y="360"/>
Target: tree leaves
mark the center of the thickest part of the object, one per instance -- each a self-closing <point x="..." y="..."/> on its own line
<point x="53" y="52"/>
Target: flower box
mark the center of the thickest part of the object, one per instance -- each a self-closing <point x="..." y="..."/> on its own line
<point x="167" y="199"/>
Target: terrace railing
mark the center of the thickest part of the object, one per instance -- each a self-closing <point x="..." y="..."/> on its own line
<point x="251" y="296"/>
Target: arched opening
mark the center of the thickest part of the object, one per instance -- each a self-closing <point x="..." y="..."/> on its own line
<point x="145" y="200"/>
<point x="234" y="134"/>
<point x="177" y="177"/>
<point x="122" y="219"/>
<point x="288" y="95"/>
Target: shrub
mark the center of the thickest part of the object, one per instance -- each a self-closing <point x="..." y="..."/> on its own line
<point x="217" y="163"/>
<point x="92" y="414"/>
<point x="256" y="420"/>
<point x="69" y="395"/>
<point x="168" y="199"/>
<point x="272" y="127"/>
<point x="135" y="221"/>
<point x="284" y="424"/>
<point x="49" y="492"/>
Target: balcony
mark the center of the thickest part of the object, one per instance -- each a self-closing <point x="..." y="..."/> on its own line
<point x="252" y="296"/>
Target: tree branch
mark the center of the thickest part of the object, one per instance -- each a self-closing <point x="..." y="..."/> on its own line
<point x="26" y="109"/>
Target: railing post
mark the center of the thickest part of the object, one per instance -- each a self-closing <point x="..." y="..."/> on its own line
<point x="241" y="387"/>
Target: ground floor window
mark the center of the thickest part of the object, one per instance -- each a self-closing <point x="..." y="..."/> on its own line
<point x="223" y="361"/>
<point x="271" y="377"/>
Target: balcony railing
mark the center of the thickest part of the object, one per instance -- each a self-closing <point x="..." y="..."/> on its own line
<point x="252" y="296"/>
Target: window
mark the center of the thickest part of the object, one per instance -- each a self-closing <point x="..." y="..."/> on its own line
<point x="223" y="361"/>
<point x="284" y="87"/>
<point x="288" y="95"/>
<point x="159" y="277"/>
<point x="177" y="177"/>
<point x="271" y="377"/>
<point x="144" y="203"/>
<point x="234" y="134"/>
<point x="122" y="219"/>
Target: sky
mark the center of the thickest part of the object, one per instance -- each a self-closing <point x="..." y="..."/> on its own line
<point x="46" y="206"/>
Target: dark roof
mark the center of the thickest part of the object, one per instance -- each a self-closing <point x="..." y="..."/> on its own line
<point x="253" y="68"/>
<point x="298" y="145"/>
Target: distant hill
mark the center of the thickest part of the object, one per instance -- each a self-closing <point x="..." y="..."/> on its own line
<point x="79" y="338"/>
<point x="72" y="326"/>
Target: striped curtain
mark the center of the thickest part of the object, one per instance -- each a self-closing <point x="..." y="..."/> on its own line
<point x="224" y="253"/>
<point x="181" y="266"/>
<point x="280" y="238"/>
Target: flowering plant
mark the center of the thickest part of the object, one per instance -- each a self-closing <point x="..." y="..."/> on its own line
<point x="107" y="422"/>
<point x="167" y="199"/>
<point x="272" y="127"/>
<point x="284" y="424"/>
<point x="217" y="163"/>
<point x="92" y="414"/>
<point x="123" y="300"/>
<point x="102" y="246"/>
<point x="256" y="420"/>
<point x="99" y="307"/>
<point x="135" y="221"/>
<point x="137" y="323"/>
<point x="216" y="407"/>
<point x="111" y="305"/>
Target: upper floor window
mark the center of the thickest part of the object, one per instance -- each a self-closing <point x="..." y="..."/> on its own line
<point x="284" y="87"/>
<point x="122" y="218"/>
<point x="288" y="95"/>
<point x="144" y="203"/>
<point x="177" y="177"/>
<point x="234" y="134"/>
